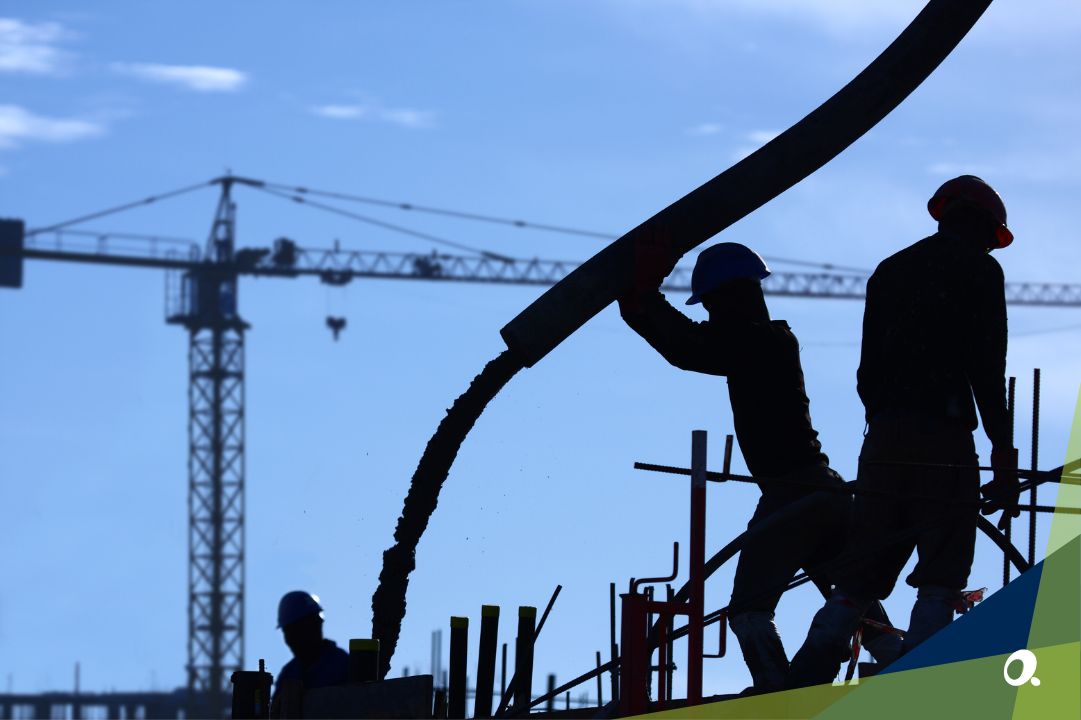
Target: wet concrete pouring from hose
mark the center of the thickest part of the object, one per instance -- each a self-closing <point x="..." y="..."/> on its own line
<point x="388" y="602"/>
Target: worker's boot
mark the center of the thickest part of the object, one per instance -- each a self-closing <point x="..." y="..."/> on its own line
<point x="762" y="649"/>
<point x="933" y="611"/>
<point x="827" y="644"/>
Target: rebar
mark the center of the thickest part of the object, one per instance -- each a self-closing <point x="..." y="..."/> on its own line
<point x="1005" y="523"/>
<point x="1035" y="463"/>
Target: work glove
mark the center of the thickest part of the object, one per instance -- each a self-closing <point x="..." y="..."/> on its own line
<point x="1004" y="489"/>
<point x="654" y="259"/>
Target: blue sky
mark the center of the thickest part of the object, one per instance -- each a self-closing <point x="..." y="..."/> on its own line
<point x="593" y="115"/>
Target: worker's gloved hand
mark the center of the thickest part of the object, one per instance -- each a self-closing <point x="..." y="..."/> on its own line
<point x="1004" y="489"/>
<point x="653" y="259"/>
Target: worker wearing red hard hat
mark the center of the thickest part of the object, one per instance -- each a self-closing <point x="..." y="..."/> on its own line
<point x="796" y="523"/>
<point x="933" y="353"/>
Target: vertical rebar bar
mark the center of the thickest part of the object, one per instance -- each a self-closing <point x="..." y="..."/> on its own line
<point x="550" y="705"/>
<point x="662" y="665"/>
<point x="1008" y="529"/>
<point x="459" y="646"/>
<point x="614" y="672"/>
<point x="489" y="631"/>
<point x="649" y="624"/>
<point x="600" y="685"/>
<point x="503" y="678"/>
<point x="439" y="705"/>
<point x="523" y="656"/>
<point x="670" y="596"/>
<point x="697" y="563"/>
<point x="1035" y="464"/>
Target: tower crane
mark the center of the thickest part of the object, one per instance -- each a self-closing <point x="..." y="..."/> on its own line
<point x="202" y="297"/>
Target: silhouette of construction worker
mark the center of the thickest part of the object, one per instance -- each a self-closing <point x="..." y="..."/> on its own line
<point x="317" y="662"/>
<point x="934" y="337"/>
<point x="794" y="525"/>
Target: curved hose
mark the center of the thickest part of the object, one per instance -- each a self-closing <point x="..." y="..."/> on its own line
<point x="698" y="216"/>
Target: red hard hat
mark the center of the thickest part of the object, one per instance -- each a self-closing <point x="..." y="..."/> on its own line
<point x="972" y="191"/>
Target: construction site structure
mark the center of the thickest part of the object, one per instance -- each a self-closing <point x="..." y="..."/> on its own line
<point x="202" y="295"/>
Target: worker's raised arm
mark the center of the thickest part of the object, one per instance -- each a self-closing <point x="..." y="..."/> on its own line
<point x="687" y="344"/>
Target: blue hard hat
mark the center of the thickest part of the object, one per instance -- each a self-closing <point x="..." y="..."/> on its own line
<point x="297" y="605"/>
<point x="722" y="263"/>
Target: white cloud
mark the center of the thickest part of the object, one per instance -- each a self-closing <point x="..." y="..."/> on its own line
<point x="762" y="136"/>
<point x="403" y="117"/>
<point x="753" y="140"/>
<point x="340" y="112"/>
<point x="201" y="78"/>
<point x="406" y="117"/>
<point x="18" y="124"/>
<point x="706" y="128"/>
<point x="30" y="47"/>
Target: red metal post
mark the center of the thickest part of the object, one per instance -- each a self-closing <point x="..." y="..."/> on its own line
<point x="696" y="602"/>
<point x="634" y="656"/>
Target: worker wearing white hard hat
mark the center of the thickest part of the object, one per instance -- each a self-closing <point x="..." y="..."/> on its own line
<point x="317" y="661"/>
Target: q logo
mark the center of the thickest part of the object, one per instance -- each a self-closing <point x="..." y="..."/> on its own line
<point x="1028" y="669"/>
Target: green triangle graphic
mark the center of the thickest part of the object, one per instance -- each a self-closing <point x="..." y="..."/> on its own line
<point x="1055" y="636"/>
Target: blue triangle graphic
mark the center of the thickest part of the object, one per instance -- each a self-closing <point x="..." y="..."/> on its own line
<point x="997" y="626"/>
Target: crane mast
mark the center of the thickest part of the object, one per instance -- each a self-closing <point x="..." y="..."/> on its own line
<point x="207" y="308"/>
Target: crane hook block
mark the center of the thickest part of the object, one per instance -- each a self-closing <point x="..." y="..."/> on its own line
<point x="336" y="325"/>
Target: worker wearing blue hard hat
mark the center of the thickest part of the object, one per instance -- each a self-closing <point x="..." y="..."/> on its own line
<point x="317" y="661"/>
<point x="797" y="524"/>
<point x="724" y="263"/>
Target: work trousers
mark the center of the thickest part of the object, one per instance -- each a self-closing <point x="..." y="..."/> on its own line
<point x="792" y="528"/>
<point x="929" y="508"/>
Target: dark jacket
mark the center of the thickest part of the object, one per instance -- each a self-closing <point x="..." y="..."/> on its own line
<point x="770" y="409"/>
<point x="934" y="335"/>
<point x="331" y="668"/>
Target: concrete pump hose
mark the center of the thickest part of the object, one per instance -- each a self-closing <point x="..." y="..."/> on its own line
<point x="683" y="225"/>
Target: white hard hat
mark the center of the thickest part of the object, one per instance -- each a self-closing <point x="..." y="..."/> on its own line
<point x="297" y="605"/>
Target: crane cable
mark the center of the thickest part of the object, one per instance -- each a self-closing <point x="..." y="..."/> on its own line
<point x="462" y="215"/>
<point x="119" y="208"/>
<point x="297" y="194"/>
<point x="383" y="224"/>
<point x="479" y="217"/>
